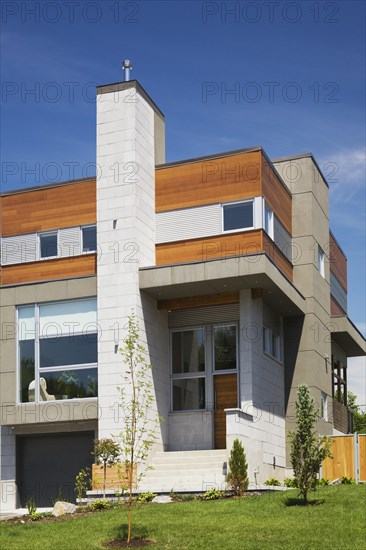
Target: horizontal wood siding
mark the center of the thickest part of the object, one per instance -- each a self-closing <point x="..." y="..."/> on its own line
<point x="199" y="301"/>
<point x="338" y="262"/>
<point x="226" y="397"/>
<point x="49" y="208"/>
<point x="220" y="246"/>
<point x="343" y="461"/>
<point x="208" y="181"/>
<point x="276" y="195"/>
<point x="272" y="250"/>
<point x="61" y="268"/>
<point x="335" y="308"/>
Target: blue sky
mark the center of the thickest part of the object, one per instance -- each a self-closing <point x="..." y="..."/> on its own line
<point x="298" y="68"/>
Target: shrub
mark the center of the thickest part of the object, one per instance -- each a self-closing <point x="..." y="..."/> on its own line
<point x="82" y="483"/>
<point x="323" y="481"/>
<point x="273" y="482"/>
<point x="213" y="494"/>
<point x="100" y="504"/>
<point x="237" y="478"/>
<point x="31" y="506"/>
<point x="347" y="480"/>
<point x="146" y="497"/>
<point x="290" y="482"/>
<point x="35" y="516"/>
<point x="185" y="497"/>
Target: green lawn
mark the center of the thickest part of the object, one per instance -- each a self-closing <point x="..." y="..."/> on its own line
<point x="252" y="522"/>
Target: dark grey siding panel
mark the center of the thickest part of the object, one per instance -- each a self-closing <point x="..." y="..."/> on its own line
<point x="203" y="315"/>
<point x="49" y="463"/>
<point x="338" y="292"/>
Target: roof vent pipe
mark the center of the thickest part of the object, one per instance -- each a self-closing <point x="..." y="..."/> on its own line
<point x="127" y="67"/>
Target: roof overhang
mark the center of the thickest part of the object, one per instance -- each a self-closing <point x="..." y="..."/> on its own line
<point x="346" y="335"/>
<point x="224" y="275"/>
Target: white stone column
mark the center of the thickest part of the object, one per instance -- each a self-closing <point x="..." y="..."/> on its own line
<point x="125" y="234"/>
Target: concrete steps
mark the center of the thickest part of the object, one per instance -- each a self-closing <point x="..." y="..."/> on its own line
<point x="185" y="471"/>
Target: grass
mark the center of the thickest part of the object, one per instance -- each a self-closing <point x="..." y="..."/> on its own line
<point x="263" y="522"/>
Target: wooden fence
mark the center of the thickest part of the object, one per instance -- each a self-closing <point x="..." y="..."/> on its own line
<point x="349" y="458"/>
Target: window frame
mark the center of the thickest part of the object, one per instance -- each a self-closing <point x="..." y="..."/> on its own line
<point x="278" y="334"/>
<point x="59" y="368"/>
<point x="233" y="203"/>
<point x="209" y="373"/>
<point x="41" y="234"/>
<point x="270" y="232"/>
<point x="186" y="375"/>
<point x="82" y="239"/>
<point x="321" y="261"/>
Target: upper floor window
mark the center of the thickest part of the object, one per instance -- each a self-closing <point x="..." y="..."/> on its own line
<point x="48" y="244"/>
<point x="238" y="216"/>
<point x="89" y="238"/>
<point x="268" y="220"/>
<point x="272" y="342"/>
<point x="323" y="406"/>
<point x="57" y="350"/>
<point x="321" y="261"/>
<point x="225" y="347"/>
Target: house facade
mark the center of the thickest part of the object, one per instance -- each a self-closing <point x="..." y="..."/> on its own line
<point x="237" y="283"/>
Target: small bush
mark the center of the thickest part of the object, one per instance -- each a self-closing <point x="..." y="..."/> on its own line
<point x="237" y="477"/>
<point x="100" y="504"/>
<point x="290" y="482"/>
<point x="347" y="481"/>
<point x="273" y="482"/>
<point x="185" y="497"/>
<point x="213" y="494"/>
<point x="82" y="483"/>
<point x="146" y="497"/>
<point x="31" y="506"/>
<point x="35" y="516"/>
<point x="323" y="481"/>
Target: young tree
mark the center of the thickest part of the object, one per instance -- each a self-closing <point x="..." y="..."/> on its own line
<point x="237" y="477"/>
<point x="307" y="449"/>
<point x="140" y="423"/>
<point x="359" y="416"/>
<point x="106" y="452"/>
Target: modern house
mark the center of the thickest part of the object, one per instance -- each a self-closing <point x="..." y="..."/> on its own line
<point x="238" y="285"/>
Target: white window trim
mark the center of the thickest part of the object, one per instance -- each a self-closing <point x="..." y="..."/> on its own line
<point x="45" y="233"/>
<point x="37" y="369"/>
<point x="271" y="223"/>
<point x="241" y="229"/>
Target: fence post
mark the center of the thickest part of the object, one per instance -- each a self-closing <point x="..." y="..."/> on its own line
<point x="356" y="461"/>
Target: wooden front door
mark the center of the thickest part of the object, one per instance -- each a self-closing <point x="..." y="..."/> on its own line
<point x="226" y="397"/>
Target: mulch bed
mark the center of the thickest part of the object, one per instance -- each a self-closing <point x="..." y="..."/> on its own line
<point x="134" y="543"/>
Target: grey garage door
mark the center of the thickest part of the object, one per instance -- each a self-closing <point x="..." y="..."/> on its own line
<point x="48" y="464"/>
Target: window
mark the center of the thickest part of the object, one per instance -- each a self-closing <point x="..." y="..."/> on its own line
<point x="272" y="342"/>
<point x="57" y="350"/>
<point x="89" y="238"/>
<point x="188" y="369"/>
<point x="321" y="261"/>
<point x="225" y="347"/>
<point x="268" y="221"/>
<point x="323" y="406"/>
<point x="48" y="245"/>
<point x="238" y="216"/>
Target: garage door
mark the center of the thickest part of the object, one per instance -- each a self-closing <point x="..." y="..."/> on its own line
<point x="48" y="464"/>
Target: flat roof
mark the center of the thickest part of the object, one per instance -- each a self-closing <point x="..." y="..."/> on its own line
<point x="45" y="186"/>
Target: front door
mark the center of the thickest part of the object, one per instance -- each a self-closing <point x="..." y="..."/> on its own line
<point x="226" y="397"/>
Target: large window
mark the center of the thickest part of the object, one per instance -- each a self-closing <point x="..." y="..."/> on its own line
<point x="188" y="351"/>
<point x="196" y="356"/>
<point x="57" y="348"/>
<point x="238" y="216"/>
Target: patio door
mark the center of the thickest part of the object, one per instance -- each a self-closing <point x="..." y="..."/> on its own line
<point x="226" y="397"/>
